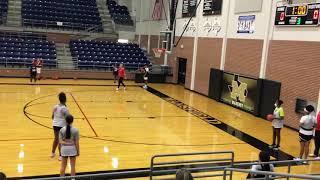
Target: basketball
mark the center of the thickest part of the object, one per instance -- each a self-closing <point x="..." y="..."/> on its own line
<point x="270" y="117"/>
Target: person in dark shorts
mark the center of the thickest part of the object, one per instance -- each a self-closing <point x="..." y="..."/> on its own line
<point x="69" y="141"/>
<point x="316" y="139"/>
<point x="122" y="76"/>
<point x="115" y="73"/>
<point x="60" y="111"/>
<point x="33" y="73"/>
<point x="307" y="124"/>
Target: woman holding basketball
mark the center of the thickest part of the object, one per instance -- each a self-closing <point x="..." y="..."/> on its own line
<point x="277" y="124"/>
<point x="60" y="112"/>
<point x="69" y="141"/>
<point x="307" y="124"/>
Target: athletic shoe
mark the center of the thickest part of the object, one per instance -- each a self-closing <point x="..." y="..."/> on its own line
<point x="305" y="162"/>
<point x="117" y="89"/>
<point x="297" y="159"/>
<point x="312" y="155"/>
<point x="317" y="158"/>
<point x="60" y="158"/>
<point x="276" y="148"/>
<point x="272" y="146"/>
<point x="52" y="155"/>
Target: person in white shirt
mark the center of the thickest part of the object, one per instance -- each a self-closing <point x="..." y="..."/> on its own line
<point x="60" y="111"/>
<point x="263" y="157"/>
<point x="307" y="125"/>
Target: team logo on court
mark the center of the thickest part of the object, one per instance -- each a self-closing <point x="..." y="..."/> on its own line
<point x="238" y="90"/>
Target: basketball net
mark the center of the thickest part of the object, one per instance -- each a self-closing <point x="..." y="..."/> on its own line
<point x="158" y="51"/>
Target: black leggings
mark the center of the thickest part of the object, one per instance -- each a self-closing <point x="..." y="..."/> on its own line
<point x="276" y="135"/>
<point x="316" y="143"/>
<point x="33" y="76"/>
<point x="121" y="82"/>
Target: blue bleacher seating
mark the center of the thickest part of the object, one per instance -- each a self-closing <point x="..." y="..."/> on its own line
<point x="103" y="54"/>
<point x="73" y="14"/>
<point x="3" y="10"/>
<point x="21" y="51"/>
<point x="119" y="14"/>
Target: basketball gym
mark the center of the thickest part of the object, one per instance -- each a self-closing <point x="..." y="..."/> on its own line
<point x="201" y="81"/>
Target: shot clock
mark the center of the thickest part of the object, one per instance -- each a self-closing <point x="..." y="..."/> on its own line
<point x="298" y="15"/>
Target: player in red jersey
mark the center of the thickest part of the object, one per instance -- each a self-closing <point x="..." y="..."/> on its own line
<point x="122" y="76"/>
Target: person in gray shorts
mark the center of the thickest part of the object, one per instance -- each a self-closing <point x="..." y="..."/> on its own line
<point x="69" y="141"/>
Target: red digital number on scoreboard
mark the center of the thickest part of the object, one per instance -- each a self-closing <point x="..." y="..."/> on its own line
<point x="282" y="16"/>
<point x="316" y="14"/>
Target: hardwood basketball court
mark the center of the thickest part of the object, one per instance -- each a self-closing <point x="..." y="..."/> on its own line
<point x="123" y="130"/>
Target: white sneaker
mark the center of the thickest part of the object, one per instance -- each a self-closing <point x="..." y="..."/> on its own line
<point x="52" y="155"/>
<point x="317" y="158"/>
<point x="60" y="158"/>
<point x="297" y="159"/>
<point x="117" y="89"/>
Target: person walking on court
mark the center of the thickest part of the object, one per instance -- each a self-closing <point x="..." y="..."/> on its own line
<point x="307" y="124"/>
<point x="121" y="76"/>
<point x="277" y="124"/>
<point x="39" y="63"/>
<point x="317" y="139"/>
<point x="70" y="149"/>
<point x="115" y="72"/>
<point x="60" y="112"/>
<point x="146" y="76"/>
<point x="33" y="73"/>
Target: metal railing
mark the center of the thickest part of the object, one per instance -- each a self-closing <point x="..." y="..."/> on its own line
<point x="225" y="165"/>
<point x="53" y="25"/>
<point x="194" y="166"/>
<point x="269" y="175"/>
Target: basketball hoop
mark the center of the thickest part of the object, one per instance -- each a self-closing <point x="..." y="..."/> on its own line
<point x="158" y="51"/>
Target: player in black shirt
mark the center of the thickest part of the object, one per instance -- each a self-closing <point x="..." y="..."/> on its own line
<point x="33" y="73"/>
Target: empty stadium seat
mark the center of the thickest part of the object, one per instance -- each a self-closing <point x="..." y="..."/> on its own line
<point x="119" y="14"/>
<point x="21" y="51"/>
<point x="103" y="54"/>
<point x="68" y="14"/>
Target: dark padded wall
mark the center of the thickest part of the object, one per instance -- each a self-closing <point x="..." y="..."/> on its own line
<point x="270" y="92"/>
<point x="215" y="84"/>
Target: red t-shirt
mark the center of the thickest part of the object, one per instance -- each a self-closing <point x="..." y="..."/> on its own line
<point x="121" y="72"/>
<point x="318" y="122"/>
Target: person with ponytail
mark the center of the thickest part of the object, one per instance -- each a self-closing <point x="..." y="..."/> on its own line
<point x="60" y="111"/>
<point x="307" y="124"/>
<point x="69" y="141"/>
<point x="263" y="157"/>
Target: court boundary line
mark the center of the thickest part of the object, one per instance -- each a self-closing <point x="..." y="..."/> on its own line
<point x="250" y="140"/>
<point x="84" y="115"/>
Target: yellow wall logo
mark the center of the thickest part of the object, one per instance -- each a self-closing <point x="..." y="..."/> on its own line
<point x="238" y="90"/>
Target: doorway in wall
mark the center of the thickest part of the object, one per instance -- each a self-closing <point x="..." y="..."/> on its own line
<point x="182" y="70"/>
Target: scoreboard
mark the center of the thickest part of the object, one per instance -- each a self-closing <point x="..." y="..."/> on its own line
<point x="212" y="7"/>
<point x="298" y="15"/>
<point x="188" y="8"/>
